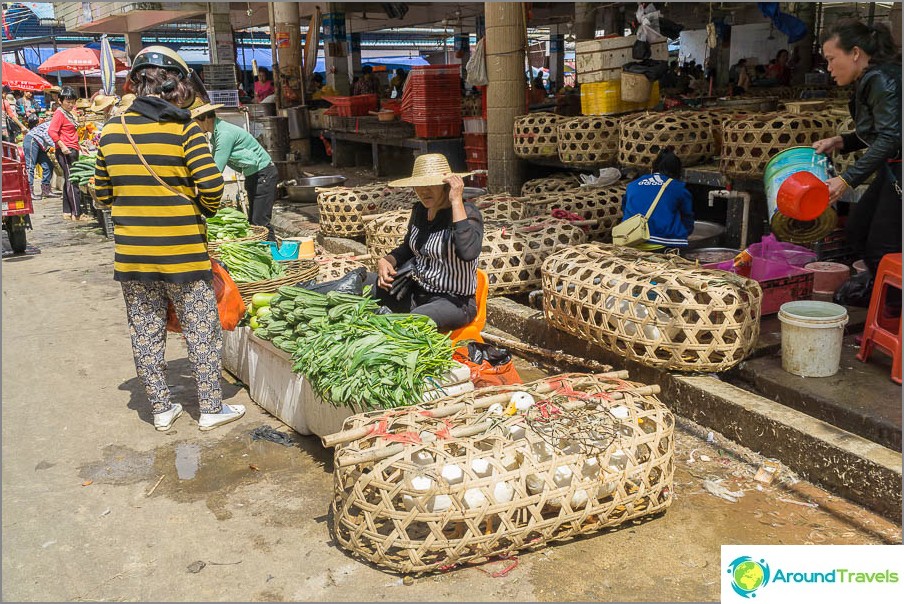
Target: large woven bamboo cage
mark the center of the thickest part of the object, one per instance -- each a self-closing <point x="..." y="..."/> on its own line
<point x="600" y="204"/>
<point x="512" y="253"/>
<point x="503" y="207"/>
<point x="258" y="233"/>
<point x="641" y="139"/>
<point x="782" y="92"/>
<point x="659" y="310"/>
<point x="588" y="141"/>
<point x="535" y="135"/>
<point x="550" y="184"/>
<point x="749" y="143"/>
<point x="296" y="271"/>
<point x="843" y="161"/>
<point x="342" y="208"/>
<point x="456" y="481"/>
<point x="336" y="267"/>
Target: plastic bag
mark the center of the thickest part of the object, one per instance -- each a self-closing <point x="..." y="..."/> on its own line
<point x="477" y="66"/>
<point x="648" y="23"/>
<point x="489" y="365"/>
<point x="230" y="306"/>
<point x="856" y="291"/>
<point x="352" y="283"/>
<point x="770" y="248"/>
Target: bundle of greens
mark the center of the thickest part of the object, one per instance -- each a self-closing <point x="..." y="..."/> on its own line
<point x="81" y="172"/>
<point x="226" y="224"/>
<point x="249" y="261"/>
<point x="352" y="356"/>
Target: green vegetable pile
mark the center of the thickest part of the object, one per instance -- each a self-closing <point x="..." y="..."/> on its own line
<point x="82" y="170"/>
<point x="353" y="357"/>
<point x="226" y="224"/>
<point x="249" y="261"/>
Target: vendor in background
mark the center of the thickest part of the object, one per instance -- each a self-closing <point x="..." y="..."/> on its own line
<point x="672" y="221"/>
<point x="12" y="125"/>
<point x="263" y="87"/>
<point x="235" y="147"/>
<point x="397" y="83"/>
<point x="37" y="144"/>
<point x="367" y="83"/>
<point x="779" y="70"/>
<point x="738" y="77"/>
<point x="64" y="132"/>
<point x="443" y="242"/>
<point x="866" y="56"/>
<point x="538" y="93"/>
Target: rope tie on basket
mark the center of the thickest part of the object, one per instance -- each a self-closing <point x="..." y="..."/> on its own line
<point x="445" y="433"/>
<point x="379" y="430"/>
<point x="505" y="571"/>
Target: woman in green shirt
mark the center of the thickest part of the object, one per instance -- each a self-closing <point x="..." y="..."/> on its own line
<point x="235" y="147"/>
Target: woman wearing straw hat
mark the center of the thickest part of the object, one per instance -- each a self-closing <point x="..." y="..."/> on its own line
<point x="102" y="104"/>
<point x="235" y="147"/>
<point x="441" y="247"/>
<point x="64" y="132"/>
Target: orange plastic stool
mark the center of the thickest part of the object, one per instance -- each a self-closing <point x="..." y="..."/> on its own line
<point x="472" y="330"/>
<point x="879" y="331"/>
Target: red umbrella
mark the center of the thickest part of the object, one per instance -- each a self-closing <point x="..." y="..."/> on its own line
<point x="80" y="59"/>
<point x="19" y="78"/>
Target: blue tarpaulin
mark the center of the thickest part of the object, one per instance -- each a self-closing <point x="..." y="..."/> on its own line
<point x="789" y="25"/>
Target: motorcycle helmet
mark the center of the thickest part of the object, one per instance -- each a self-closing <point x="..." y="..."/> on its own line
<point x="159" y="56"/>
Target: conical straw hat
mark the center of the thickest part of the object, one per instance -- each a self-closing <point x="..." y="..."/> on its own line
<point x="429" y="169"/>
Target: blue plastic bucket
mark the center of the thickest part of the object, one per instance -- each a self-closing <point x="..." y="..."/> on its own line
<point x="287" y="251"/>
<point x="783" y="165"/>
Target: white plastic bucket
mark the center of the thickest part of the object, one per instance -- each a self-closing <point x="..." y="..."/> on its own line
<point x="812" y="333"/>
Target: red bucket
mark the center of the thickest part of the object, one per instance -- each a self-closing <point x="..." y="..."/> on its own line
<point x="803" y="196"/>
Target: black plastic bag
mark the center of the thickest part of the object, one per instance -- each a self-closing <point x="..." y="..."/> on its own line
<point x="352" y="283"/>
<point x="478" y="352"/>
<point x="856" y="291"/>
<point x="654" y="70"/>
<point x="641" y="50"/>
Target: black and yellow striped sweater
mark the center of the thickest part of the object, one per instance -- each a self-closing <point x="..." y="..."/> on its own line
<point x="159" y="236"/>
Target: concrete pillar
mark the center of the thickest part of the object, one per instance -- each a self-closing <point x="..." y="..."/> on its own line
<point x="556" y="57"/>
<point x="335" y="47"/>
<point x="220" y="40"/>
<point x="287" y="40"/>
<point x="505" y="43"/>
<point x="894" y="18"/>
<point x="612" y="20"/>
<point x="133" y="43"/>
<point x="585" y="20"/>
<point x="806" y="12"/>
<point x="354" y="54"/>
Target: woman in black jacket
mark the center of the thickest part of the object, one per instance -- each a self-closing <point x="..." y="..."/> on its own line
<point x="866" y="54"/>
<point x="443" y="242"/>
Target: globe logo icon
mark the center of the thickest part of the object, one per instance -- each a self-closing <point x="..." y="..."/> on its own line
<point x="748" y="575"/>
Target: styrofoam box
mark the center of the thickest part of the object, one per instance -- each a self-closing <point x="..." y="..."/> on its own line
<point x="602" y="60"/>
<point x="235" y="352"/>
<point x="290" y="397"/>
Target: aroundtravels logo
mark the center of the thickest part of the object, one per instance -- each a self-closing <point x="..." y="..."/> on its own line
<point x="748" y="575"/>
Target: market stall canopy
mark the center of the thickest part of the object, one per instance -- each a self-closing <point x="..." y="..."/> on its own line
<point x="19" y="78"/>
<point x="80" y="59"/>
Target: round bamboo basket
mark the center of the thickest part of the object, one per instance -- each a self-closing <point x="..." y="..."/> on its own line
<point x="600" y="204"/>
<point x="843" y="161"/>
<point x="336" y="267"/>
<point x="749" y="143"/>
<point x="296" y="272"/>
<point x="441" y="484"/>
<point x="258" y="233"/>
<point x="588" y="141"/>
<point x="503" y="207"/>
<point x="550" y="184"/>
<point x="659" y="310"/>
<point x="642" y="138"/>
<point x="535" y="135"/>
<point x="385" y="232"/>
<point x="781" y="92"/>
<point x="342" y="208"/>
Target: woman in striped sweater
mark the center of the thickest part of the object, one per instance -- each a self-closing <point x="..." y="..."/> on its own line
<point x="444" y="239"/>
<point x="155" y="169"/>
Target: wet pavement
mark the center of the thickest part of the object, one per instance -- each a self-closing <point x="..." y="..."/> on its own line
<point x="97" y="505"/>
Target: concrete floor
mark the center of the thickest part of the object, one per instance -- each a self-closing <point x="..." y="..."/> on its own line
<point x="99" y="506"/>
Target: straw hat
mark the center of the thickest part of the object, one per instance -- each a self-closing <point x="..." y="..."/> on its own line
<point x="125" y="102"/>
<point x="429" y="169"/>
<point x="82" y="104"/>
<point x="200" y="107"/>
<point x="101" y="102"/>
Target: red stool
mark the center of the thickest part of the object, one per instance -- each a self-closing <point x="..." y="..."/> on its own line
<point x="472" y="330"/>
<point x="880" y="331"/>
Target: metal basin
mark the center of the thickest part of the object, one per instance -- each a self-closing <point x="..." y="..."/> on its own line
<point x="305" y="189"/>
<point x="472" y="192"/>
<point x="707" y="255"/>
<point x="706" y="234"/>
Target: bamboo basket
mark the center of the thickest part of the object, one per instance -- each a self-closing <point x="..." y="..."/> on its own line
<point x="336" y="267"/>
<point x="749" y="143"/>
<point x="296" y="272"/>
<point x="588" y="141"/>
<point x="659" y="310"/>
<point x="258" y="233"/>
<point x="535" y="135"/>
<point x="843" y="161"/>
<point x="550" y="184"/>
<point x="642" y="138"/>
<point x="600" y="204"/>
<point x="781" y="92"/>
<point x="503" y="207"/>
<point x="342" y="209"/>
<point x="443" y="484"/>
<point x="512" y="253"/>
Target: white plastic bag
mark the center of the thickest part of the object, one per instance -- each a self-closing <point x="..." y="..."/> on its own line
<point x="648" y="20"/>
<point x="477" y="66"/>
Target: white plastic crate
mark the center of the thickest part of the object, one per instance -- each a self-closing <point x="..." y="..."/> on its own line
<point x="228" y="98"/>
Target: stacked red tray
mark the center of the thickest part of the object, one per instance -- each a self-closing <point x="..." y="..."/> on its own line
<point x="351" y="106"/>
<point x="432" y="100"/>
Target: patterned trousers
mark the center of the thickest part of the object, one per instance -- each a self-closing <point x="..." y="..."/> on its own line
<point x="196" y="307"/>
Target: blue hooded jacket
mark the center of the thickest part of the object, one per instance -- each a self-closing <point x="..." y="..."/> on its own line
<point x="672" y="220"/>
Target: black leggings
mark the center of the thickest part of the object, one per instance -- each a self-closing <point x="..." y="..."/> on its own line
<point x="874" y="226"/>
<point x="448" y="311"/>
<point x="261" y="189"/>
<point x="72" y="198"/>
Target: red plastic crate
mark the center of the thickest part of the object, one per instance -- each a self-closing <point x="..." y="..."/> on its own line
<point x="476" y="154"/>
<point x="794" y="283"/>
<point x="478" y="180"/>
<point x="431" y="129"/>
<point x="475" y="140"/>
<point x="476" y="165"/>
<point x="352" y="106"/>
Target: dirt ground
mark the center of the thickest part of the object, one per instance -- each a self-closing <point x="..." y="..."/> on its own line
<point x="97" y="505"/>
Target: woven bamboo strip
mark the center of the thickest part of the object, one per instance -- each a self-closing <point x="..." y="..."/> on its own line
<point x="342" y="208"/>
<point x="575" y="463"/>
<point x="535" y="135"/>
<point x="659" y="310"/>
<point x="336" y="267"/>
<point x="642" y="138"/>
<point x="296" y="272"/>
<point x="602" y="204"/>
<point x="550" y="184"/>
<point x="588" y="141"/>
<point x="503" y="207"/>
<point x="749" y="143"/>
